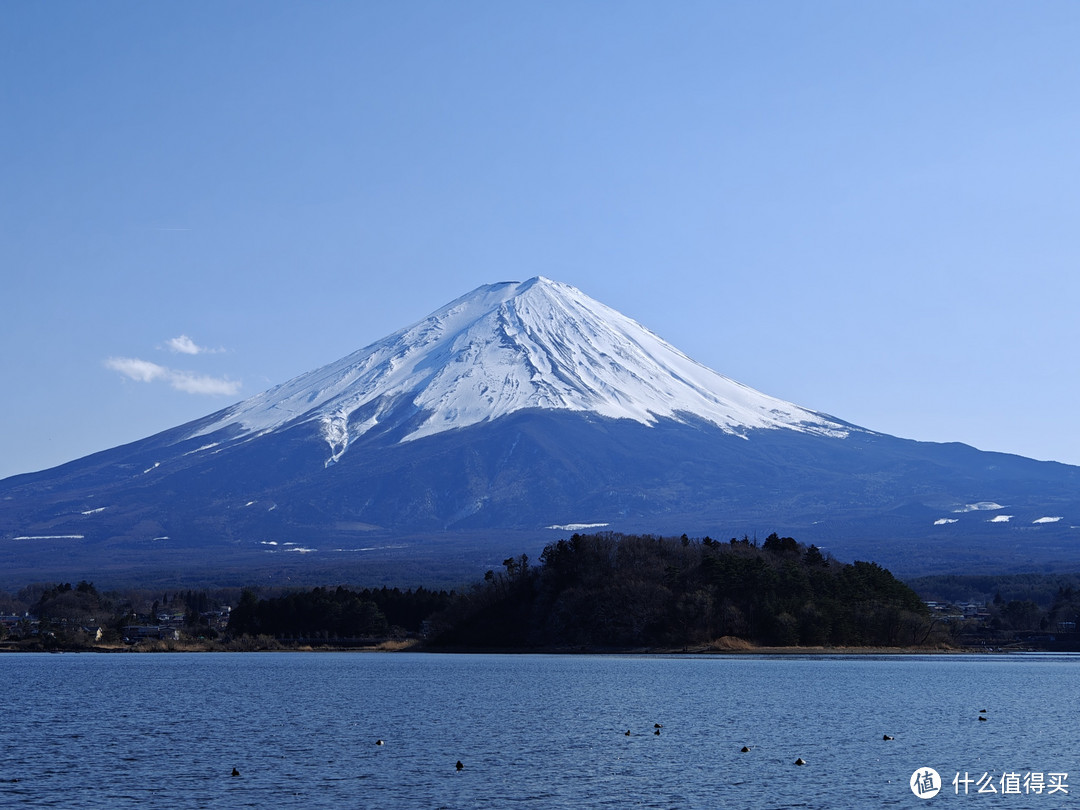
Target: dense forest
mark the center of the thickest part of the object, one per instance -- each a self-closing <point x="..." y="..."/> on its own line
<point x="339" y="613"/>
<point x="615" y="591"/>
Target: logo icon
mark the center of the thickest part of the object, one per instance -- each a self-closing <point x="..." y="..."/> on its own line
<point x="925" y="783"/>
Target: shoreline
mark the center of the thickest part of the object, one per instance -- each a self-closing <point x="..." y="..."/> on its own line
<point x="744" y="649"/>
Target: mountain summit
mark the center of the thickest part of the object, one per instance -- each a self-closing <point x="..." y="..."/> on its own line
<point x="518" y="412"/>
<point x="505" y="348"/>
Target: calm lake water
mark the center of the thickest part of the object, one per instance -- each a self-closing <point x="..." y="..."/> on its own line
<point x="166" y="730"/>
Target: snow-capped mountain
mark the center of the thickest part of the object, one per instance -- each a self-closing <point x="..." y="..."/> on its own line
<point x="505" y="348"/>
<point x="504" y="420"/>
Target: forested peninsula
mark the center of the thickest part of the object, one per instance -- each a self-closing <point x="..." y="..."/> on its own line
<point x="597" y="591"/>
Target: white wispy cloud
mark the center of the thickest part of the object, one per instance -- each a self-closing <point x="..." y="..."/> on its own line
<point x="187" y="381"/>
<point x="185" y="345"/>
<point x="202" y="384"/>
<point x="136" y="369"/>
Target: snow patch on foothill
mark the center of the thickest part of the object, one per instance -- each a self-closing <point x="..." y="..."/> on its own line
<point x="576" y="527"/>
<point x="981" y="506"/>
<point x="50" y="537"/>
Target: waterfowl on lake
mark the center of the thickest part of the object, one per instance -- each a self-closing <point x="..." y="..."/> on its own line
<point x="887" y="737"/>
<point x="379" y="742"/>
<point x="628" y="732"/>
<point x="746" y="749"/>
<point x="657" y="732"/>
<point x="800" y="761"/>
<point x="459" y="766"/>
<point x="235" y="772"/>
<point x="982" y="718"/>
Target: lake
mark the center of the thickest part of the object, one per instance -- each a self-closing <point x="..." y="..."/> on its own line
<point x="532" y="731"/>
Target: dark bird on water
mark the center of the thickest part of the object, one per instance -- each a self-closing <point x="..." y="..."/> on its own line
<point x="657" y="732"/>
<point x="800" y="761"/>
<point x="459" y="766"/>
<point x="657" y="725"/>
<point x="887" y="737"/>
<point x="378" y="742"/>
<point x="746" y="749"/>
<point x="628" y="732"/>
<point x="235" y="772"/>
<point x="982" y="718"/>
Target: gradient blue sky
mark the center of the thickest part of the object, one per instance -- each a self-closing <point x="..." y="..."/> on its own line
<point x="870" y="209"/>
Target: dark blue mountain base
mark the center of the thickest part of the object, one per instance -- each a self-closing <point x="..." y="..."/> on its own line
<point x="456" y="503"/>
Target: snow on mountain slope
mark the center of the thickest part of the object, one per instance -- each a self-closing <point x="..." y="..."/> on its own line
<point x="506" y="347"/>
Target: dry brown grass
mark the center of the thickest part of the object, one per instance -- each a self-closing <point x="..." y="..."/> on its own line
<point x="731" y="644"/>
<point x="395" y="646"/>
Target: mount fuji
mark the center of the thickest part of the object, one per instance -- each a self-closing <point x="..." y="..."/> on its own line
<point x="510" y="417"/>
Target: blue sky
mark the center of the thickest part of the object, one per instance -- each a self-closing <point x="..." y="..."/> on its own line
<point x="869" y="209"/>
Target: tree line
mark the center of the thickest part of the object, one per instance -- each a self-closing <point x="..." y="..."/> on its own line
<point x="336" y="613"/>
